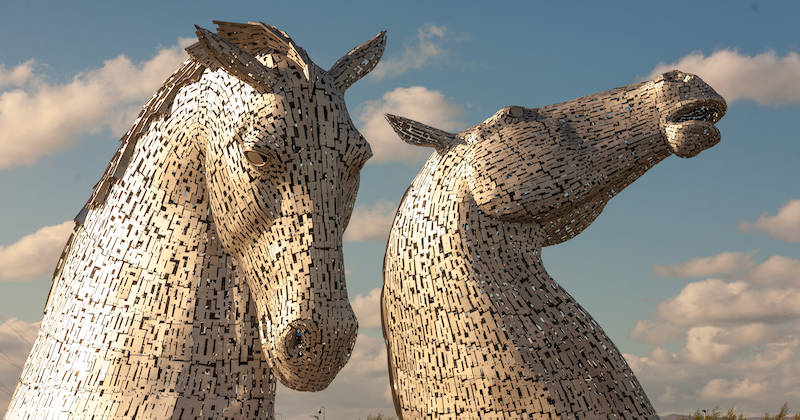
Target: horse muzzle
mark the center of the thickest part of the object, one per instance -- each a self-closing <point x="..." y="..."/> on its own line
<point x="690" y="109"/>
<point x="308" y="354"/>
<point x="690" y="129"/>
<point x="308" y="328"/>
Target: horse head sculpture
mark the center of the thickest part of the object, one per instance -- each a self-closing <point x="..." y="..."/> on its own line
<point x="208" y="260"/>
<point x="463" y="278"/>
<point x="522" y="158"/>
<point x="283" y="185"/>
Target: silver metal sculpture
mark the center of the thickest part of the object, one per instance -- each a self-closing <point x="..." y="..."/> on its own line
<point x="208" y="260"/>
<point x="474" y="326"/>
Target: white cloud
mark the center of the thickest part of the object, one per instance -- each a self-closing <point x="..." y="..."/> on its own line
<point x="737" y="389"/>
<point x="678" y="386"/>
<point x="425" y="48"/>
<point x="774" y="355"/>
<point x="16" y="76"/>
<point x="776" y="269"/>
<point x="368" y="309"/>
<point x="709" y="344"/>
<point x="651" y="332"/>
<point x="417" y="103"/>
<point x="784" y="226"/>
<point x="15" y="342"/>
<point x="361" y="388"/>
<point x="371" y="223"/>
<point x="38" y="118"/>
<point x="34" y="255"/>
<point x="714" y="301"/>
<point x="764" y="78"/>
<point x="725" y="262"/>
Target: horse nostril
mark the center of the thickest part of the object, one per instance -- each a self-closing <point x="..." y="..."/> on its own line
<point x="294" y="343"/>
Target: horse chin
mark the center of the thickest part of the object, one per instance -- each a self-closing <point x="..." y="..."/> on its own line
<point x="687" y="139"/>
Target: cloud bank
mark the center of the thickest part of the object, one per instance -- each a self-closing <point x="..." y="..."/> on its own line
<point x="417" y="103"/>
<point x="39" y="118"/>
<point x="765" y="78"/>
<point x="34" y="255"/>
<point x="731" y="341"/>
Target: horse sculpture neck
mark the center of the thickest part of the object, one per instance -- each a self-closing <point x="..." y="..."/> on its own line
<point x="153" y="302"/>
<point x="489" y="312"/>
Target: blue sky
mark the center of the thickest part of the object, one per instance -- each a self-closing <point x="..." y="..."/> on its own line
<point x="693" y="270"/>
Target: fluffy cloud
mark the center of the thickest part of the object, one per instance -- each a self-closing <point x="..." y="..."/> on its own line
<point x="738" y="389"/>
<point x="784" y="226"/>
<point x="725" y="262"/>
<point x="676" y="386"/>
<point x="371" y="223"/>
<point x="709" y="344"/>
<point x="361" y="388"/>
<point x="764" y="78"/>
<point x="734" y="341"/>
<point x="715" y="301"/>
<point x="38" y="118"/>
<point x="34" y="255"/>
<point x="776" y="269"/>
<point x="426" y="47"/>
<point x="367" y="309"/>
<point x="416" y="102"/>
<point x="647" y="331"/>
<point x="16" y="340"/>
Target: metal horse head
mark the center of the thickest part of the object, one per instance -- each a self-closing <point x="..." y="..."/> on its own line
<point x="477" y="217"/>
<point x="282" y="186"/>
<point x="212" y="245"/>
<point x="559" y="164"/>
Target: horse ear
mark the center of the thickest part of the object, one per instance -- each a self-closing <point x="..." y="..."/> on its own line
<point x="419" y="134"/>
<point x="236" y="61"/>
<point x="358" y="62"/>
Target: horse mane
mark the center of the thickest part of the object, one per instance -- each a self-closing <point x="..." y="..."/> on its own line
<point x="252" y="38"/>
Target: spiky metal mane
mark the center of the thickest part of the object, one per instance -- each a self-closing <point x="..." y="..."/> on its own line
<point x="255" y="38"/>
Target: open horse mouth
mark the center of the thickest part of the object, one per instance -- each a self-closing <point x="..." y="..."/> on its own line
<point x="690" y="129"/>
<point x="706" y="110"/>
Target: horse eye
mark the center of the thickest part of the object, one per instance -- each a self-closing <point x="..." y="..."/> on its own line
<point x="516" y="112"/>
<point x="256" y="159"/>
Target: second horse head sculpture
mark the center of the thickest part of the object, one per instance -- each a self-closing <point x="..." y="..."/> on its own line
<point x="474" y="325"/>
